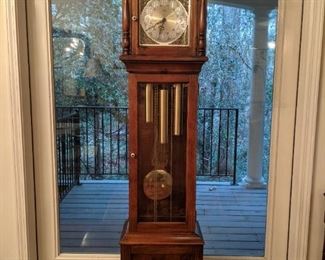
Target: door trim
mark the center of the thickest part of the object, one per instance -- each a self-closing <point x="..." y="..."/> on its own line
<point x="18" y="217"/>
<point x="286" y="83"/>
<point x="316" y="232"/>
<point x="306" y="123"/>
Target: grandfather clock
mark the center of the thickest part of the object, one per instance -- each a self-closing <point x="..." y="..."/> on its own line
<point x="163" y="50"/>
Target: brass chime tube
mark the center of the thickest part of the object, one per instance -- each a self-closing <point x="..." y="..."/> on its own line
<point x="177" y="108"/>
<point x="149" y="103"/>
<point x="163" y="116"/>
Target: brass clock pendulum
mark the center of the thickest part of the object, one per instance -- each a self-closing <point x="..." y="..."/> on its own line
<point x="158" y="182"/>
<point x="177" y="108"/>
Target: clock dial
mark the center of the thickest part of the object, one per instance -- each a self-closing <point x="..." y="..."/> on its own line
<point x="164" y="22"/>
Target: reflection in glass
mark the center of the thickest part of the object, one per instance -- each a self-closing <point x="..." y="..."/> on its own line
<point x="91" y="117"/>
<point x="234" y="126"/>
<point x="234" y="129"/>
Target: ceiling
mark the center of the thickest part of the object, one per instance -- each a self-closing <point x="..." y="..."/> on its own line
<point x="248" y="4"/>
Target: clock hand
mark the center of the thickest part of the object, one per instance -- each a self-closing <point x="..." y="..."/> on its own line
<point x="159" y="22"/>
<point x="162" y="27"/>
<point x="171" y="13"/>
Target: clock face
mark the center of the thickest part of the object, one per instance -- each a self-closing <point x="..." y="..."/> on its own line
<point x="164" y="22"/>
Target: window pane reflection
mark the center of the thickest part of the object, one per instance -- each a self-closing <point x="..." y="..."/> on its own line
<point x="234" y="127"/>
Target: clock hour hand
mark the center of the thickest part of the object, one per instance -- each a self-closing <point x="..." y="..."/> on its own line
<point x="162" y="21"/>
<point x="162" y="26"/>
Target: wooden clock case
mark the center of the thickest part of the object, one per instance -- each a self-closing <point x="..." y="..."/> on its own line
<point x="163" y="65"/>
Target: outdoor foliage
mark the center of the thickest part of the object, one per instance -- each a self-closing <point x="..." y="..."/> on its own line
<point x="87" y="35"/>
<point x="100" y="78"/>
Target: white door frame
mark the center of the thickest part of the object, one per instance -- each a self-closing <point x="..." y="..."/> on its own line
<point x="312" y="47"/>
<point x="17" y="205"/>
<point x="316" y="231"/>
<point x="280" y="240"/>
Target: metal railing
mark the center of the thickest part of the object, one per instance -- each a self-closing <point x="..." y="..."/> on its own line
<point x="217" y="143"/>
<point x="68" y="151"/>
<point x="103" y="139"/>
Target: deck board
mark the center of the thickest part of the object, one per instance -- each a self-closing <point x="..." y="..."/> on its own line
<point x="232" y="219"/>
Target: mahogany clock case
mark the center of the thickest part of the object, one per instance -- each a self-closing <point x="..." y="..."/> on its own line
<point x="162" y="225"/>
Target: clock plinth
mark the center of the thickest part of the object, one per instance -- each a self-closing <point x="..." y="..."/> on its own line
<point x="162" y="246"/>
<point x="163" y="51"/>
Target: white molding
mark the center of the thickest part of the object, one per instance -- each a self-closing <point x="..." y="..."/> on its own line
<point x="21" y="128"/>
<point x="282" y="135"/>
<point x="88" y="257"/>
<point x="42" y="98"/>
<point x="316" y="234"/>
<point x="311" y="50"/>
<point x="233" y="258"/>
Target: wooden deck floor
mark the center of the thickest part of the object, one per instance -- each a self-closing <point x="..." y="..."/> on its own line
<point x="232" y="219"/>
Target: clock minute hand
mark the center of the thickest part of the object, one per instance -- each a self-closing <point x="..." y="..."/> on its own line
<point x="171" y="13"/>
<point x="159" y="22"/>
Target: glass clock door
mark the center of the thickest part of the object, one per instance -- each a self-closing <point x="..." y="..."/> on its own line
<point x="162" y="154"/>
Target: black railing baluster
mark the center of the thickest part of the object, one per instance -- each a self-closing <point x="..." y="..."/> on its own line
<point x="227" y="144"/>
<point x="211" y="141"/>
<point x="64" y="157"/>
<point x="95" y="136"/>
<point x="219" y="142"/>
<point x="111" y="141"/>
<point x="87" y="142"/>
<point x="203" y="144"/>
<point x="67" y="161"/>
<point x="200" y="143"/>
<point x="70" y="152"/>
<point x="103" y="143"/>
<point x="59" y="162"/>
<point x="118" y="141"/>
<point x="235" y="148"/>
<point x="126" y="139"/>
<point x="77" y="153"/>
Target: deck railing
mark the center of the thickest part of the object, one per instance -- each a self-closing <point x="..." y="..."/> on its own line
<point x="103" y="142"/>
<point x="68" y="151"/>
<point x="217" y="143"/>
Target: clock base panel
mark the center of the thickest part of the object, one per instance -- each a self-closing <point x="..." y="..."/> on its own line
<point x="161" y="246"/>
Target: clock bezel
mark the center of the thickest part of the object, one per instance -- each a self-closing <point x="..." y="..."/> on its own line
<point x="158" y="43"/>
<point x="164" y="50"/>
